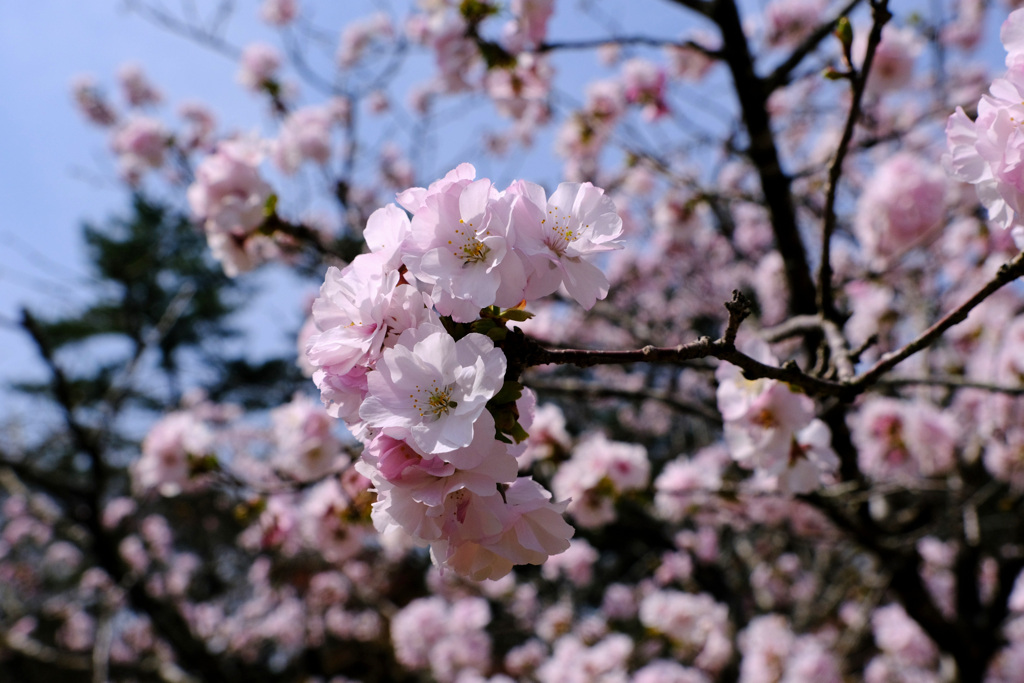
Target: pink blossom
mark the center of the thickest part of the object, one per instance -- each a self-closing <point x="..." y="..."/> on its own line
<point x="599" y="471"/>
<point x="358" y="36"/>
<point x="788" y="22"/>
<point x="966" y="29"/>
<point x="576" y="563"/>
<point x="572" y="661"/>
<point x="414" y="492"/>
<point x="462" y="245"/>
<point x="327" y="523"/>
<point x="279" y="12"/>
<point x="395" y="168"/>
<point x="431" y="389"/>
<point x="901" y="204"/>
<point x="140" y="144"/>
<point x="532" y="16"/>
<point x="78" y="631"/>
<point x="987" y="152"/>
<point x="202" y="123"/>
<point x="668" y="671"/>
<point x="135" y="87"/>
<point x="302" y="432"/>
<point x="446" y="638"/>
<point x="896" y="439"/>
<point x="91" y="101"/>
<point x="561" y="238"/>
<point x="414" y="198"/>
<point x="893" y="63"/>
<point x="766" y="643"/>
<point x="772" y="429"/>
<point x="547" y="435"/>
<point x="688" y="62"/>
<point x="485" y="536"/>
<point x="117" y="510"/>
<point x="305" y="136"/>
<point x="259" y="66"/>
<point x="521" y="91"/>
<point x="166" y="450"/>
<point x="898" y="634"/>
<point x="685" y="483"/>
<point x="1004" y="457"/>
<point x="644" y="83"/>
<point x="693" y="623"/>
<point x="359" y="310"/>
<point x="230" y="195"/>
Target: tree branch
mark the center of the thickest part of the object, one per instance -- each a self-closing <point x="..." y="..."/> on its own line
<point x="764" y="155"/>
<point x="826" y="305"/>
<point x="1008" y="272"/>
<point x="780" y="76"/>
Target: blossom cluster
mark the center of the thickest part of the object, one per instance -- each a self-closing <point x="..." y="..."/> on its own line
<point x="772" y="429"/>
<point x="230" y="195"/>
<point x="429" y="398"/>
<point x="988" y="152"/>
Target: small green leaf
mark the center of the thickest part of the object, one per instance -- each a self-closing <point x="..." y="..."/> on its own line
<point x="844" y="32"/>
<point x="832" y="75"/>
<point x="483" y="326"/>
<point x="518" y="433"/>
<point x="516" y="314"/>
<point x="509" y="393"/>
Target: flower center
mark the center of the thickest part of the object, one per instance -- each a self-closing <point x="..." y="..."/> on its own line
<point x="434" y="401"/>
<point x="561" y="231"/>
<point x="472" y="250"/>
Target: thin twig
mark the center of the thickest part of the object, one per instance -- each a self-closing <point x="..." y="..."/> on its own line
<point x="780" y="76"/>
<point x="628" y="40"/>
<point x="595" y="390"/>
<point x="1007" y="273"/>
<point x="825" y="302"/>
<point x="952" y="383"/>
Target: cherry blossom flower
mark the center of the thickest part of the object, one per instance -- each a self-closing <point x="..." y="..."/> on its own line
<point x="901" y="204"/>
<point x="201" y="122"/>
<point x="562" y="236"/>
<point x="532" y="17"/>
<point x="988" y="151"/>
<point x="431" y="389"/>
<point x="897" y="439"/>
<point x="279" y="12"/>
<point x="230" y="195"/>
<point x="461" y="244"/>
<point x="259" y="66"/>
<point x="302" y="432"/>
<point x="772" y="429"/>
<point x="91" y="102"/>
<point x="893" y="63"/>
<point x="140" y="144"/>
<point x="137" y="89"/>
<point x="357" y="36"/>
<point x="305" y="136"/>
<point x="166" y="450"/>
<point x="789" y="21"/>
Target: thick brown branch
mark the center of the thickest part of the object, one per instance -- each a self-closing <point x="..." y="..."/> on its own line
<point x="764" y="155"/>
